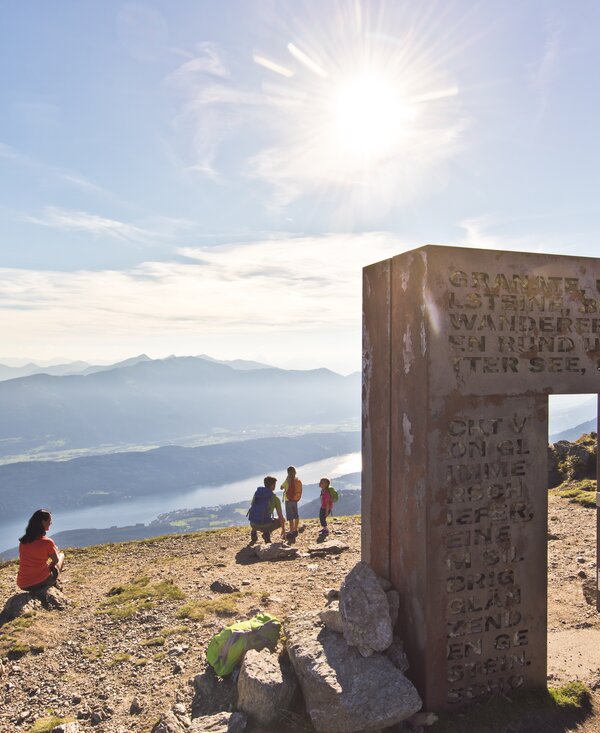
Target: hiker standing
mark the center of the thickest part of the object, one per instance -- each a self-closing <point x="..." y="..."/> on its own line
<point x="40" y="562"/>
<point x="260" y="514"/>
<point x="292" y="492"/>
<point x="326" y="505"/>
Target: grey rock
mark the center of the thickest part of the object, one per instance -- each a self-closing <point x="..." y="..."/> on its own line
<point x="394" y="605"/>
<point x="219" y="723"/>
<point x="275" y="551"/>
<point x="212" y="694"/>
<point x="395" y="653"/>
<point x="135" y="708"/>
<point x="332" y="618"/>
<point x="265" y="687"/>
<point x="385" y="584"/>
<point x="423" y="719"/>
<point x="365" y="611"/>
<point x="589" y="591"/>
<point x="19" y="604"/>
<point x="223" y="586"/>
<point x="66" y="728"/>
<point x="343" y="691"/>
<point x="332" y="594"/>
<point x="169" y="723"/>
<point x="333" y="547"/>
<point x="52" y="599"/>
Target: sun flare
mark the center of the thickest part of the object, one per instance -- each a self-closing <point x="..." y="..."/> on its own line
<point x="370" y="116"/>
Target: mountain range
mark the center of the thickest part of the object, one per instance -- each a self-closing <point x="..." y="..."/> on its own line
<point x="145" y="402"/>
<point x="14" y="371"/>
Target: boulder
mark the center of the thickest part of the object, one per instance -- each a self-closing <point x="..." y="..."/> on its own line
<point x="52" y="599"/>
<point x="365" y="611"/>
<point x="333" y="547"/>
<point x="18" y="605"/>
<point x="332" y="594"/>
<point x="332" y="618"/>
<point x="397" y="656"/>
<point x="345" y="692"/>
<point x="275" y="551"/>
<point x="169" y="723"/>
<point x="423" y="719"/>
<point x="385" y="584"/>
<point x="223" y="586"/>
<point x="219" y="723"/>
<point x="212" y="694"/>
<point x="66" y="728"/>
<point x="265" y="687"/>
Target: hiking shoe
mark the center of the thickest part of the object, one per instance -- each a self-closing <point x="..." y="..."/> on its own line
<point x="324" y="532"/>
<point x="253" y="537"/>
<point x="266" y="537"/>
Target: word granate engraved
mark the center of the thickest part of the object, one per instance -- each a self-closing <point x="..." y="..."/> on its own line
<point x="517" y="283"/>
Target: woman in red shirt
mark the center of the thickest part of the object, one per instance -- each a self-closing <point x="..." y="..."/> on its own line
<point x="40" y="562"/>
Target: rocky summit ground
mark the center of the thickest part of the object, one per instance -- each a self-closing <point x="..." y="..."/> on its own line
<point x="141" y="615"/>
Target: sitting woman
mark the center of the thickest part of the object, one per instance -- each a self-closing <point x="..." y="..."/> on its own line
<point x="40" y="562"/>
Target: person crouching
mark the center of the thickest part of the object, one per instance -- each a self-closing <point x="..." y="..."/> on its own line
<point x="260" y="515"/>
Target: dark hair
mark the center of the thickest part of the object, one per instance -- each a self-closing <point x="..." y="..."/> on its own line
<point x="269" y="481"/>
<point x="291" y="469"/>
<point x="34" y="529"/>
<point x="327" y="481"/>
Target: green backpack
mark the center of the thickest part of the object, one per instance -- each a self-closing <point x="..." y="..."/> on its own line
<point x="227" y="648"/>
<point x="333" y="493"/>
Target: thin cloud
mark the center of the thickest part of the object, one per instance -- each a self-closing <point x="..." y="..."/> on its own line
<point x="69" y="220"/>
<point x="206" y="61"/>
<point x="295" y="285"/>
<point x="70" y="177"/>
<point x="544" y="73"/>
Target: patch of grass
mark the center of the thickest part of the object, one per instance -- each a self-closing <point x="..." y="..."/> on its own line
<point x="197" y="610"/>
<point x="140" y="661"/>
<point x="174" y="630"/>
<point x="163" y="635"/>
<point x="16" y="648"/>
<point x="21" y="622"/>
<point x="93" y="652"/>
<point x="44" y="725"/>
<point x="119" y="658"/>
<point x="574" y="695"/>
<point x="22" y="636"/>
<point x="578" y="492"/>
<point x="159" y="655"/>
<point x="154" y="641"/>
<point x="528" y="709"/>
<point x="125" y="600"/>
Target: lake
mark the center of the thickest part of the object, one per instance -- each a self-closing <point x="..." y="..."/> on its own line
<point x="146" y="509"/>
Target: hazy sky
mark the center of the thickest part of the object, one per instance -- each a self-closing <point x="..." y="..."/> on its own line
<point x="200" y="176"/>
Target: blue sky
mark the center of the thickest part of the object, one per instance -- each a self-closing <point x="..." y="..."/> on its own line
<point x="201" y="177"/>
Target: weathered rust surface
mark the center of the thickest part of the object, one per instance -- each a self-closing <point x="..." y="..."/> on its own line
<point x="408" y="454"/>
<point x="376" y="418"/>
<point x="476" y="341"/>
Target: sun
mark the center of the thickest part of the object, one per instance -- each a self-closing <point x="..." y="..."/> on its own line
<point x="370" y="116"/>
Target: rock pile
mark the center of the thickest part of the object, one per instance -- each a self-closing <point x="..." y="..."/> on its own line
<point x="343" y="659"/>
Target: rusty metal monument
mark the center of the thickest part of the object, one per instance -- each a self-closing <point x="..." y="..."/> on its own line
<point x="461" y="349"/>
